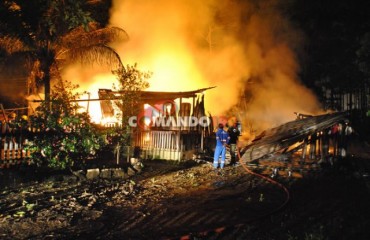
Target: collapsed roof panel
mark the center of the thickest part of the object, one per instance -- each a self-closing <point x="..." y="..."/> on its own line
<point x="282" y="137"/>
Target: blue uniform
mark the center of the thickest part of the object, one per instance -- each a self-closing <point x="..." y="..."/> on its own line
<point x="222" y="138"/>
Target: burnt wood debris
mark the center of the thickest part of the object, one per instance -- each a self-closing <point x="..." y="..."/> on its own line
<point x="297" y="135"/>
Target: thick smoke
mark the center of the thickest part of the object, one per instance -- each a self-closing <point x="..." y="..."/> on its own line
<point x="184" y="46"/>
<point x="245" y="48"/>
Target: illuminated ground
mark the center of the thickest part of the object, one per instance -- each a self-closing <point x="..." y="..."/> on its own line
<point x="170" y="201"/>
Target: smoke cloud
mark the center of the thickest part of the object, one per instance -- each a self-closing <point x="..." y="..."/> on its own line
<point x="248" y="49"/>
<point x="245" y="48"/>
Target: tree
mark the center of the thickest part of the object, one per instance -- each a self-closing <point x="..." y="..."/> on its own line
<point x="64" y="136"/>
<point x="49" y="34"/>
<point x="131" y="81"/>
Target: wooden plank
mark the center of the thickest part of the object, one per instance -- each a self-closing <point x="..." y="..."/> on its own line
<point x="283" y="136"/>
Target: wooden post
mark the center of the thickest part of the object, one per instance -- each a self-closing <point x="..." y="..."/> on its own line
<point x="313" y="146"/>
<point x="179" y="134"/>
<point x="304" y="150"/>
<point x="118" y="153"/>
<point x="202" y="140"/>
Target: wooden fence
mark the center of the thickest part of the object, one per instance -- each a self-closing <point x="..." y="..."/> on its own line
<point x="170" y="140"/>
<point x="12" y="140"/>
<point x="171" y="144"/>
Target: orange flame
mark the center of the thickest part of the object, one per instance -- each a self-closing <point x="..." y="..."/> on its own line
<point x="195" y="44"/>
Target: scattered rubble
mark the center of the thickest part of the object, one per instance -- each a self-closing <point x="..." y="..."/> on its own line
<point x="170" y="200"/>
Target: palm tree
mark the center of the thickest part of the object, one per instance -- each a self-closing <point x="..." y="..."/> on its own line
<point x="49" y="34"/>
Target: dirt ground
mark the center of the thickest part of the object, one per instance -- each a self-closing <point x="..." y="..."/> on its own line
<point x="189" y="200"/>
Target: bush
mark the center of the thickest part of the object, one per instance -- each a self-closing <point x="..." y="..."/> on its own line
<point x="63" y="136"/>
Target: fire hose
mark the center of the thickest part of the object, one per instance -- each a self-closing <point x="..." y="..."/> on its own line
<point x="223" y="228"/>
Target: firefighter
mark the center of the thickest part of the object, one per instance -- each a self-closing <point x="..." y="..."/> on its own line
<point x="222" y="139"/>
<point x="234" y="134"/>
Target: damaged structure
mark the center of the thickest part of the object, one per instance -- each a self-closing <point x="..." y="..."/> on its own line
<point x="313" y="136"/>
<point x="169" y="125"/>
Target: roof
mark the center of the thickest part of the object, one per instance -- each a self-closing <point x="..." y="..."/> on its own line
<point x="151" y="96"/>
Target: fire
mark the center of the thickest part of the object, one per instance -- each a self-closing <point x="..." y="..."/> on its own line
<point x="174" y="71"/>
<point x="93" y="107"/>
<point x="236" y="46"/>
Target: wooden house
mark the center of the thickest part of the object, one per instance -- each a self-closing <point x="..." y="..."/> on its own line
<point x="169" y="125"/>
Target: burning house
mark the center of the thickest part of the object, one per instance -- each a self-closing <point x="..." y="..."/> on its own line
<point x="169" y="125"/>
